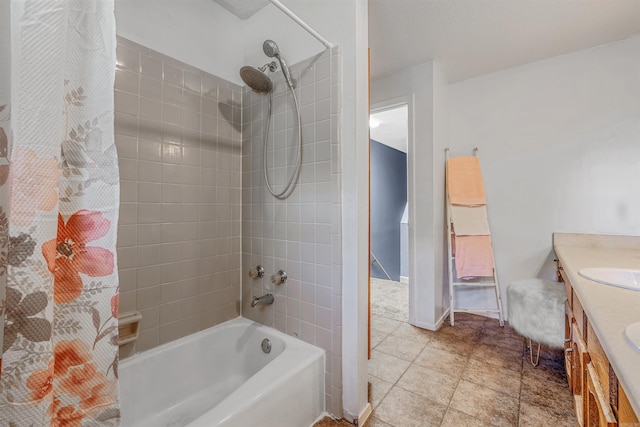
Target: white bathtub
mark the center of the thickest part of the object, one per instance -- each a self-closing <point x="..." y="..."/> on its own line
<point x="221" y="377"/>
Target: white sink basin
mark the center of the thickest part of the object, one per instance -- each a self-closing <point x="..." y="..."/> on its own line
<point x="621" y="277"/>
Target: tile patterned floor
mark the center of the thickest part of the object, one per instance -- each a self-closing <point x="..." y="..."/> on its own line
<point x="473" y="374"/>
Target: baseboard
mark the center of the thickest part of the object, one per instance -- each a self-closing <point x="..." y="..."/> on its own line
<point x="364" y="415"/>
<point x="441" y="320"/>
<point x="432" y="326"/>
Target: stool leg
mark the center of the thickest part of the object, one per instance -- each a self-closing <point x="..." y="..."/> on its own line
<point x="537" y="358"/>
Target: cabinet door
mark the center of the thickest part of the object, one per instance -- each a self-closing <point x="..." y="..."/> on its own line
<point x="568" y="353"/>
<point x="597" y="409"/>
<point x="580" y="359"/>
<point x="626" y="416"/>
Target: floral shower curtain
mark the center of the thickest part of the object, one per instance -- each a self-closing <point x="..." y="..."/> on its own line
<point x="59" y="198"/>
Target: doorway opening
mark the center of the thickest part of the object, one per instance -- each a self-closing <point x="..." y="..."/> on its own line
<point x="389" y="213"/>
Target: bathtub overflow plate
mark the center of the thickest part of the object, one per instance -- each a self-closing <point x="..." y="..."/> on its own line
<point x="266" y="345"/>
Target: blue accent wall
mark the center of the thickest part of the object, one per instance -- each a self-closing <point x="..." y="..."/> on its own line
<point x="388" y="200"/>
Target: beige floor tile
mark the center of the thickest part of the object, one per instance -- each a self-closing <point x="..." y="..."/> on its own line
<point x="503" y="379"/>
<point x="413" y="333"/>
<point x="498" y="356"/>
<point x="401" y="408"/>
<point x="548" y="370"/>
<point x="461" y="331"/>
<point x="428" y="383"/>
<point x="508" y="341"/>
<point x="442" y="360"/>
<point x="493" y="326"/>
<point x="375" y="422"/>
<point x="378" y="389"/>
<point x="455" y="418"/>
<point x="377" y="336"/>
<point x="538" y="416"/>
<point x="384" y="324"/>
<point x="400" y="347"/>
<point x="386" y="367"/>
<point x="469" y="320"/>
<point x="453" y="344"/>
<point x="491" y="406"/>
<point x="547" y="393"/>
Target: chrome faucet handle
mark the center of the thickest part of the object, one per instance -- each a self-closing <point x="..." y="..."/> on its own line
<point x="257" y="273"/>
<point x="279" y="278"/>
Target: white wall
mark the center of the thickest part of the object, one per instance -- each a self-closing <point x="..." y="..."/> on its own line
<point x="343" y="23"/>
<point x="441" y="139"/>
<point x="200" y="33"/>
<point x="417" y="82"/>
<point x="559" y="143"/>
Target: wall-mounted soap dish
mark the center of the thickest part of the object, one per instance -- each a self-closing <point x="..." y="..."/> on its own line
<point x="128" y="327"/>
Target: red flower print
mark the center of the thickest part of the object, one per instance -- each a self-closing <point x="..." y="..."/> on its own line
<point x="66" y="416"/>
<point x="114" y="305"/>
<point x="68" y="255"/>
<point x="70" y="353"/>
<point x="41" y="382"/>
<point x="82" y="380"/>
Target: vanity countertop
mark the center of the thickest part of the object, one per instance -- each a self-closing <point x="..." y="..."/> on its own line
<point x="609" y="309"/>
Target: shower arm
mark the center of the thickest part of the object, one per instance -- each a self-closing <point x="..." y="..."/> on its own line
<point x="272" y="66"/>
<point x="300" y="22"/>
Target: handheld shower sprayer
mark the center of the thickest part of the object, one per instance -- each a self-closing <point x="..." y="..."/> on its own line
<point x="270" y="49"/>
<point x="259" y="82"/>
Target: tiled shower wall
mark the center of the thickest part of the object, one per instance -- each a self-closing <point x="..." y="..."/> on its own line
<point x="302" y="234"/>
<point x="178" y="135"/>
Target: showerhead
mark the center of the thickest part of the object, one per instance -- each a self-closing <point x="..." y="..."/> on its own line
<point x="270" y="49"/>
<point x="256" y="79"/>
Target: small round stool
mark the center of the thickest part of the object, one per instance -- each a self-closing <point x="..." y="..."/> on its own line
<point x="536" y="311"/>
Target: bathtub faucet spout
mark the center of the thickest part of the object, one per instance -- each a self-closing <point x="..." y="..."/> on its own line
<point x="264" y="299"/>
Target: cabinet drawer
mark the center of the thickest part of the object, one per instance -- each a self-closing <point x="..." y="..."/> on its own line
<point x="597" y="410"/>
<point x="599" y="360"/>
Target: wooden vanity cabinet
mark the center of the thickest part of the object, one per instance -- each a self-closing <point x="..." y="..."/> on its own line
<point x="598" y="396"/>
<point x="624" y="412"/>
<point x="568" y="347"/>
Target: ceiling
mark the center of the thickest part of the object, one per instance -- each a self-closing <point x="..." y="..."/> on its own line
<point x="243" y="9"/>
<point x="469" y="38"/>
<point x="392" y="127"/>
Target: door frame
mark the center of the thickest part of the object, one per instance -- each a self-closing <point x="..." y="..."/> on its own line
<point x="389" y="104"/>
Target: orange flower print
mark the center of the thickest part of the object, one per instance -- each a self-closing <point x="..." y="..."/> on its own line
<point x="68" y="354"/>
<point x="41" y="382"/>
<point x="68" y="255"/>
<point x="81" y="380"/>
<point x="66" y="416"/>
<point x="34" y="185"/>
<point x="114" y="305"/>
<point x="91" y="386"/>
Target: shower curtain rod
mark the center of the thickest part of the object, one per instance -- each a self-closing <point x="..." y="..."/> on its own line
<point x="300" y="22"/>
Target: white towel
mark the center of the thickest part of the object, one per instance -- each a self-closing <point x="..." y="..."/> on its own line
<point x="470" y="221"/>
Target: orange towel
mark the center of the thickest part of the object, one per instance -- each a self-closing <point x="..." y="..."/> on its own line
<point x="474" y="257"/>
<point x="464" y="182"/>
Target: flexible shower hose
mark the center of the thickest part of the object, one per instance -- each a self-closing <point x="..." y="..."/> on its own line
<point x="294" y="173"/>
